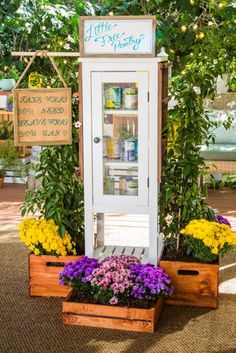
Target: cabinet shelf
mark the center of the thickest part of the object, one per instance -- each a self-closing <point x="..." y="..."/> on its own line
<point x="121" y="163"/>
<point x="121" y="111"/>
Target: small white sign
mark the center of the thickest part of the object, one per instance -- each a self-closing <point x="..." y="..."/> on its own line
<point x="117" y="36"/>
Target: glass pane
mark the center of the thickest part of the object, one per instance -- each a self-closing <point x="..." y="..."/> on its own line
<point x="120" y="138"/>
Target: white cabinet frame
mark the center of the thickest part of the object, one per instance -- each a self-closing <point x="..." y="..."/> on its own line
<point x="136" y="66"/>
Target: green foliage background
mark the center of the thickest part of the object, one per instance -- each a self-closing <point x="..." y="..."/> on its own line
<point x="200" y="38"/>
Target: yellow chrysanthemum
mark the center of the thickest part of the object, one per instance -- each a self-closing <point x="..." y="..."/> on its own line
<point x="214" y="235"/>
<point x="42" y="237"/>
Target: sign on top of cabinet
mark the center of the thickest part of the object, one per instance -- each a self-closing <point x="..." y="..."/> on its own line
<point x="120" y="36"/>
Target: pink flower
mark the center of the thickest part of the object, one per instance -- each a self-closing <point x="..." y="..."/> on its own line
<point x="113" y="301"/>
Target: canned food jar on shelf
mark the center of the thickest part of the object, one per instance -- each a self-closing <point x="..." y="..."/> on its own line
<point x="132" y="186"/>
<point x="113" y="148"/>
<point x="122" y="185"/>
<point x="130" y="98"/>
<point x="109" y="186"/>
<point x="112" y="97"/>
<point x="104" y="146"/>
<point x="128" y="150"/>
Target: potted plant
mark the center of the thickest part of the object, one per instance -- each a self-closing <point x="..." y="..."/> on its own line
<point x="6" y="130"/>
<point x="8" y="77"/>
<point x="9" y="158"/>
<point x="118" y="292"/>
<point x="49" y="253"/>
<point x="193" y="265"/>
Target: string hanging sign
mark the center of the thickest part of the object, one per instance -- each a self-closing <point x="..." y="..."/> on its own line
<point x="42" y="116"/>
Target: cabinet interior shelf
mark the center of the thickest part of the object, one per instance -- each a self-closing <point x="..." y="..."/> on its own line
<point x="120" y="163"/>
<point x="120" y="111"/>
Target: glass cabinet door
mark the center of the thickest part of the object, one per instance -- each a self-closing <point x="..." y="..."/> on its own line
<point x="120" y="137"/>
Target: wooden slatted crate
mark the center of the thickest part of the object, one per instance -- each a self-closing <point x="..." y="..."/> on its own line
<point x="43" y="275"/>
<point x="6" y="115"/>
<point x="195" y="284"/>
<point x="112" y="317"/>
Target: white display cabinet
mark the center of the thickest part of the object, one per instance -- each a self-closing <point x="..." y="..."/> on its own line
<point x="121" y="147"/>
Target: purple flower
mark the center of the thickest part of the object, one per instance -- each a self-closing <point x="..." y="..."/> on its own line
<point x="77" y="270"/>
<point x="113" y="301"/>
<point x="223" y="220"/>
<point x="149" y="281"/>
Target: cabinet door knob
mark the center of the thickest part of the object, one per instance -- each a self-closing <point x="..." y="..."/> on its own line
<point x="96" y="140"/>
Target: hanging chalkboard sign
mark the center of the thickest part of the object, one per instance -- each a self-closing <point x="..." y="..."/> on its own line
<point x="121" y="36"/>
<point x="42" y="116"/>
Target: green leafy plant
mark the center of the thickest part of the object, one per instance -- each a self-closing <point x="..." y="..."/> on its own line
<point x="6" y="130"/>
<point x="2" y="172"/>
<point x="229" y="180"/>
<point x="60" y="195"/>
<point x="9" y="158"/>
<point x="9" y="72"/>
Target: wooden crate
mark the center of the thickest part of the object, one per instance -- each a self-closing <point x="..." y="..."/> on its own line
<point x="6" y="115"/>
<point x="112" y="317"/>
<point x="195" y="284"/>
<point x="43" y="275"/>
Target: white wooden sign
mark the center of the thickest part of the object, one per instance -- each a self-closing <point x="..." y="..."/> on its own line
<point x="117" y="36"/>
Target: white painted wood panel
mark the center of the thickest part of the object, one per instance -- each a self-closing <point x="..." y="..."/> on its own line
<point x="126" y="68"/>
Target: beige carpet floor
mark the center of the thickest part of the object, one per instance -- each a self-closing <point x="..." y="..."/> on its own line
<point x="34" y="324"/>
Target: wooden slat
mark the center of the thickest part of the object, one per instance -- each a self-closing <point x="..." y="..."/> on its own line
<point x="119" y="250"/>
<point x="81" y="144"/>
<point x="111" y="323"/>
<point x="129" y="250"/>
<point x="49" y="291"/>
<point x="107" y="311"/>
<point x="196" y="300"/>
<point x="157" y="312"/>
<point x="50" y="53"/>
<point x="145" y="256"/>
<point x="159" y="122"/>
<point x="138" y="252"/>
<point x="6" y="116"/>
<point x="108" y="251"/>
<point x="98" y="253"/>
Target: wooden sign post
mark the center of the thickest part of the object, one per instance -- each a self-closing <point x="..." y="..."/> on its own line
<point x="42" y="117"/>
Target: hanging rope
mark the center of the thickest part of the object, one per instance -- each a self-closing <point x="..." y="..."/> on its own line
<point x="42" y="53"/>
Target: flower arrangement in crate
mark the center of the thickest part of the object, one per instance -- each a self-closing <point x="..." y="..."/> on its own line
<point x="118" y="281"/>
<point x="50" y="252"/>
<point x="207" y="240"/>
<point x="194" y="266"/>
<point x="42" y="238"/>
